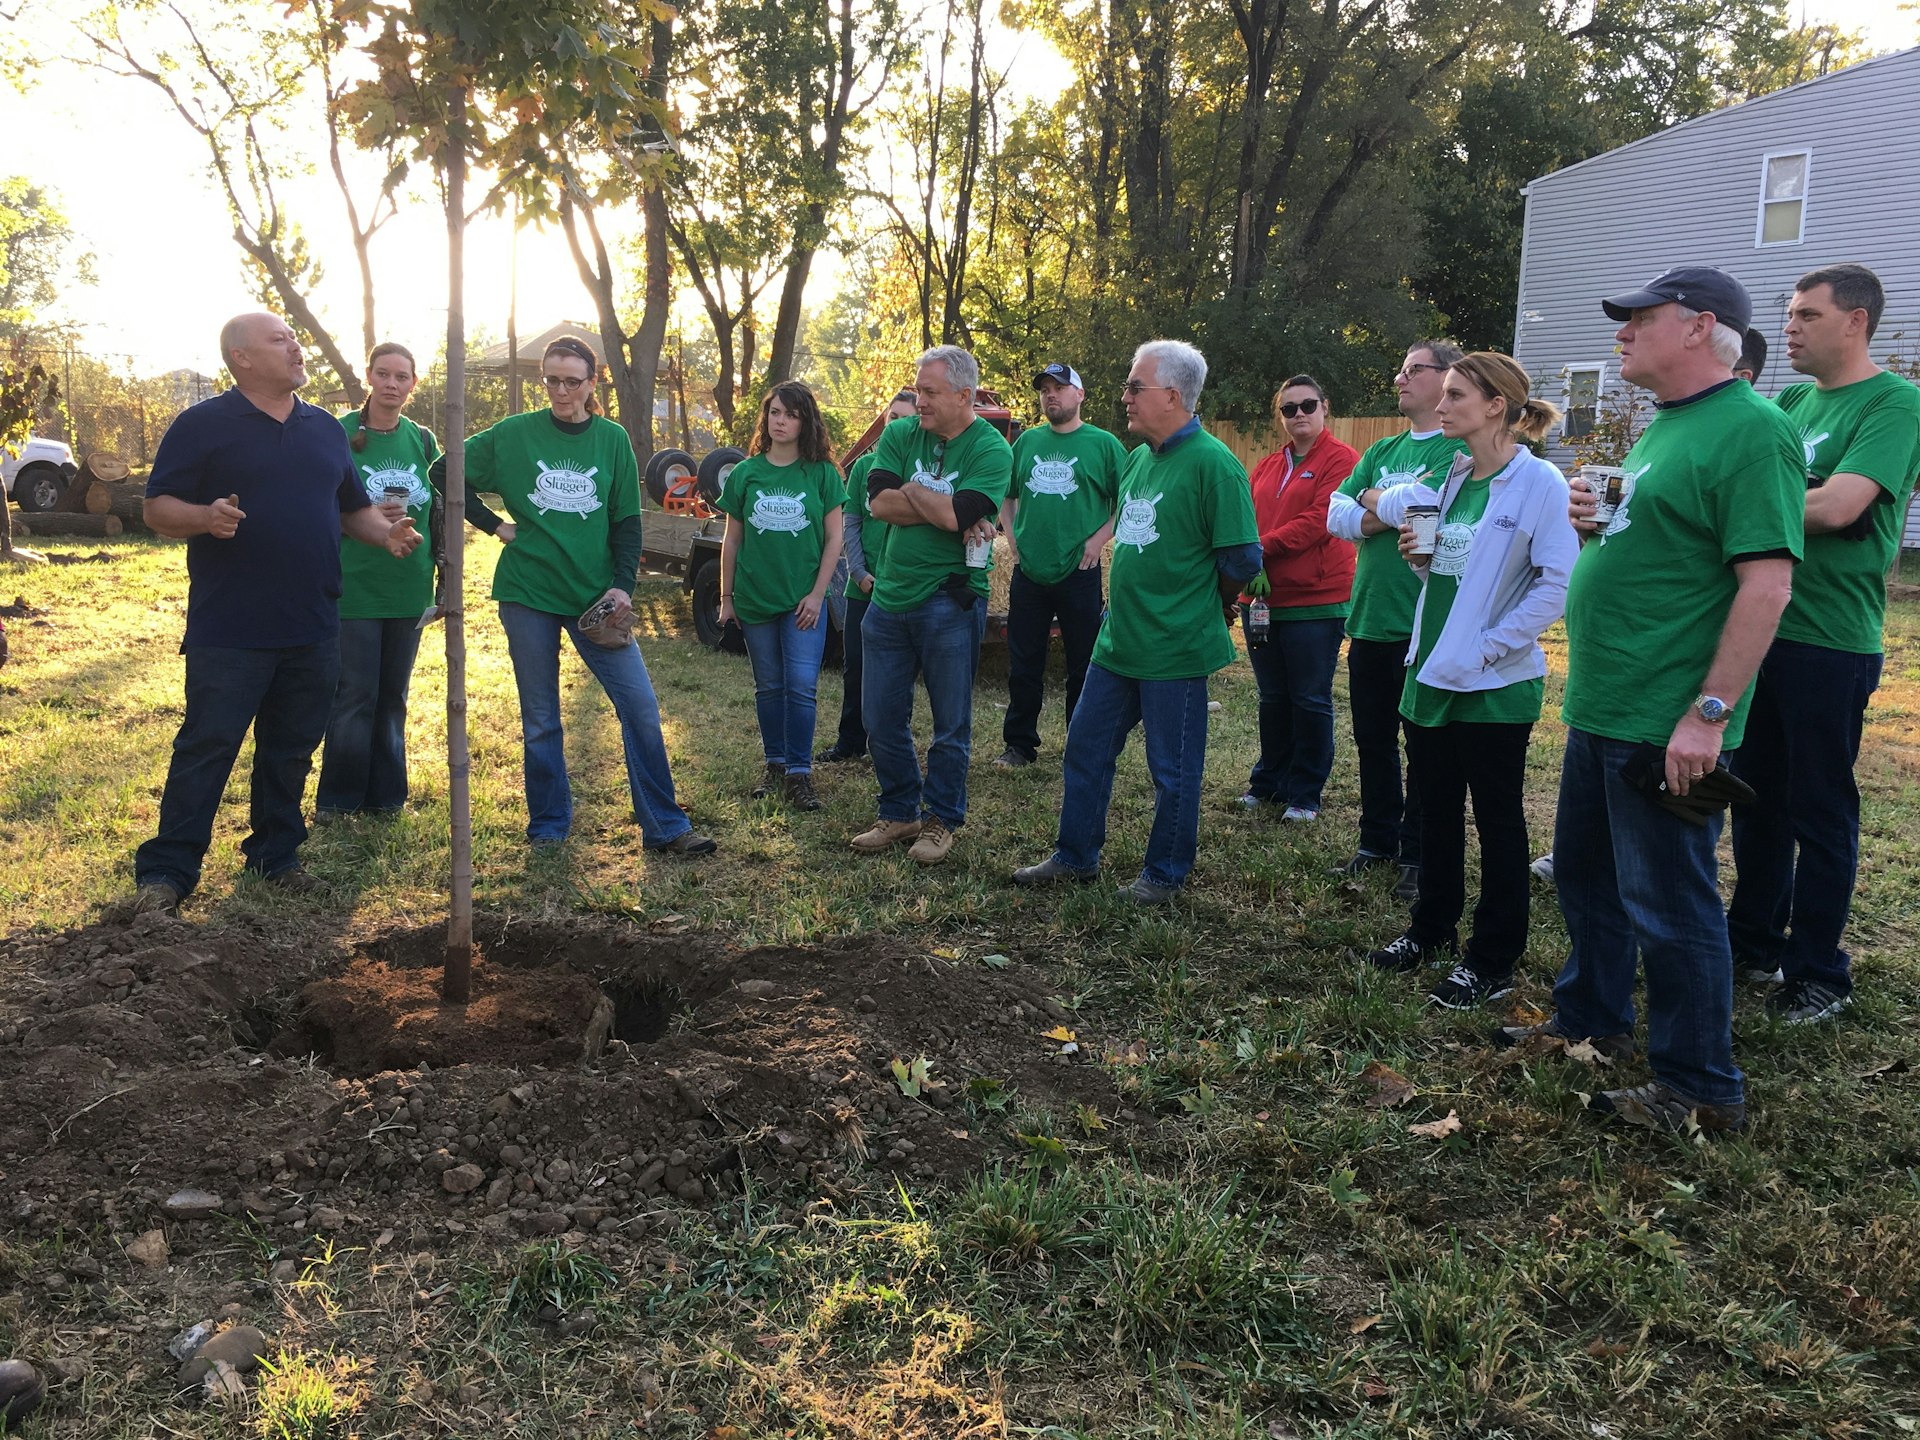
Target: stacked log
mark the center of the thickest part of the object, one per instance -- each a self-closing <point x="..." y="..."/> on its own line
<point x="114" y="491"/>
<point x="57" y="522"/>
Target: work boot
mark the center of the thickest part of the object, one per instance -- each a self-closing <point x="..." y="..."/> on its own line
<point x="885" y="832"/>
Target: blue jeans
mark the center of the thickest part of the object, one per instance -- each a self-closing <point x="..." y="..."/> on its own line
<point x="1031" y="610"/>
<point x="1803" y="736"/>
<point x="1173" y="713"/>
<point x="786" y="674"/>
<point x="364" y="763"/>
<point x="283" y="695"/>
<point x="533" y="642"/>
<point x="1635" y="881"/>
<point x="1294" y="673"/>
<point x="939" y="642"/>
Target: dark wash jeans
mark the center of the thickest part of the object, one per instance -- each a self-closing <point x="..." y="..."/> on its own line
<point x="1637" y="883"/>
<point x="284" y="696"/>
<point x="1294" y="673"/>
<point x="364" y="763"/>
<point x="1389" y="819"/>
<point x="1173" y="715"/>
<point x="1031" y="610"/>
<point x="1802" y="738"/>
<point x="1490" y="763"/>
<point x="938" y="642"/>
<point x="852" y="737"/>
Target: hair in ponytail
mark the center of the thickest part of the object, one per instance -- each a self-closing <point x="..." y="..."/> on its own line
<point x="1499" y="377"/>
<point x="374" y="356"/>
<point x="578" y="349"/>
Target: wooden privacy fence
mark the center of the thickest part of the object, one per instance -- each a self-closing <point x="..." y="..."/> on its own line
<point x="1253" y="443"/>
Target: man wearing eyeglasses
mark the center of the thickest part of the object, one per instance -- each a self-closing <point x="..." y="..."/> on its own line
<point x="1380" y="626"/>
<point x="1184" y="543"/>
<point x="1058" y="517"/>
<point x="938" y="479"/>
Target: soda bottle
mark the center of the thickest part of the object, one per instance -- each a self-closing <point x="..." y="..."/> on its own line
<point x="1257" y="619"/>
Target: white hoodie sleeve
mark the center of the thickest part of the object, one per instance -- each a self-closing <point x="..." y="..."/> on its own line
<point x="1344" y="516"/>
<point x="1392" y="508"/>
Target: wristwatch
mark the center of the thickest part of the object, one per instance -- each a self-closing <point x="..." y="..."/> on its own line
<point x="1712" y="709"/>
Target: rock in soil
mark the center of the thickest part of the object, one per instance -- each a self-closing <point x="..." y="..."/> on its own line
<point x="184" y="1346"/>
<point x="21" y="1390"/>
<point x="149" y="1249"/>
<point x="241" y="1348"/>
<point x="191" y="1204"/>
<point x="222" y="1385"/>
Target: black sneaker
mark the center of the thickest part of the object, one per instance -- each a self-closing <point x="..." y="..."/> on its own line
<point x="836" y="754"/>
<point x="1756" y="972"/>
<point x="1407" y="953"/>
<point x="800" y="793"/>
<point x="1806" y="1002"/>
<point x="1362" y="862"/>
<point x="1465" y="988"/>
<point x="1407" y="887"/>
<point x="1012" y="759"/>
<point x="687" y="843"/>
<point x="771" y="783"/>
<point x="1613" y="1047"/>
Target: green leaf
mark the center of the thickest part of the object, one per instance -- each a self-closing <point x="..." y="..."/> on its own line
<point x="995" y="962"/>
<point x="1344" y="1194"/>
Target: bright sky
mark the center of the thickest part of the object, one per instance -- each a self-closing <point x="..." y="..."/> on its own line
<point x="132" y="179"/>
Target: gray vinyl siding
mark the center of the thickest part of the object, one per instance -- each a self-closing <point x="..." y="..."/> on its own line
<point x="1691" y="195"/>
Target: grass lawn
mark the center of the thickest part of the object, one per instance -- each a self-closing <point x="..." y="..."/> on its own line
<point x="1297" y="1263"/>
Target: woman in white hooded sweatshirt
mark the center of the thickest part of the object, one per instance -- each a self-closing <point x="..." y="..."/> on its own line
<point x="1476" y="676"/>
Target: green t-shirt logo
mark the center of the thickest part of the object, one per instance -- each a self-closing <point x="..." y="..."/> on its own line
<point x="1054" y="475"/>
<point x="1811" y="443"/>
<point x="933" y="479"/>
<point x="563" y="488"/>
<point x="1136" y="526"/>
<point x="1394" y="479"/>
<point x="775" y="511"/>
<point x="397" y="478"/>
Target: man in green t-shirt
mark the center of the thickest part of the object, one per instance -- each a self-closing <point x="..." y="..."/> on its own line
<point x="937" y="481"/>
<point x="1380" y="625"/>
<point x="1184" y="543"/>
<point x="1670" y="608"/>
<point x="1860" y="429"/>
<point x="863" y="546"/>
<point x="1058" y="517"/>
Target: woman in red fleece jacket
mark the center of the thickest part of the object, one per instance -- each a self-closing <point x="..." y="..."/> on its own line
<point x="1310" y="575"/>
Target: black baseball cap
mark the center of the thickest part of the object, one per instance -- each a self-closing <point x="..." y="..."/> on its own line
<point x="1753" y="353"/>
<point x="1698" y="287"/>
<point x="1062" y="373"/>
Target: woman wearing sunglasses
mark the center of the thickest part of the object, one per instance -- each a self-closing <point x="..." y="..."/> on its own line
<point x="783" y="506"/>
<point x="1309" y="581"/>
<point x="1495" y="579"/>
<point x="572" y="537"/>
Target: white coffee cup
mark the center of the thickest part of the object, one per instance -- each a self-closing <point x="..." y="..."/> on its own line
<point x="980" y="554"/>
<point x="1424" y="521"/>
<point x="1607" y="485"/>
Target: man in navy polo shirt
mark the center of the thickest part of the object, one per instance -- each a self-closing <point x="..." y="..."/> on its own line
<point x="261" y="486"/>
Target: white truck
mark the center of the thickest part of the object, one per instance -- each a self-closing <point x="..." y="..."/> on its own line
<point x="36" y="476"/>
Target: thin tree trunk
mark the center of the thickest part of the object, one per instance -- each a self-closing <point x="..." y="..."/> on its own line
<point x="459" y="962"/>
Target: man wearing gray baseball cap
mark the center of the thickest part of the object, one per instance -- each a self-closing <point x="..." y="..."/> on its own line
<point x="1672" y="604"/>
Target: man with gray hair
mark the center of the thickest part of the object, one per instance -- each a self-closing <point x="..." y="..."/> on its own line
<point x="1184" y="543"/>
<point x="1672" y="605"/>
<point x="938" y="479"/>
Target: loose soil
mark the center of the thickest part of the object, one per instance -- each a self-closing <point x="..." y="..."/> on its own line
<point x="600" y="1075"/>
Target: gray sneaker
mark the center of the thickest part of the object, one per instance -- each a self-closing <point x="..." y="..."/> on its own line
<point x="1542" y="869"/>
<point x="1806" y="1002"/>
<point x="1051" y="872"/>
<point x="1148" y="892"/>
<point x="1756" y="972"/>
<point x="1658" y="1106"/>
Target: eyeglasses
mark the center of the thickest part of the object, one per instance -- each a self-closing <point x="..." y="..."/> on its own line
<point x="1133" y="387"/>
<point x="1291" y="408"/>
<point x="1407" y="372"/>
<point x="563" y="382"/>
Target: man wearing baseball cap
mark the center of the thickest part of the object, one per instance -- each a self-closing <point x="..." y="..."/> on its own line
<point x="1671" y="607"/>
<point x="1058" y="517"/>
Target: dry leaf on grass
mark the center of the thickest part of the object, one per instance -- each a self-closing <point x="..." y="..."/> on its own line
<point x="1390" y="1088"/>
<point x="1060" y="1033"/>
<point x="1609" y="1349"/>
<point x="1583" y="1051"/>
<point x="1449" y="1124"/>
<point x="1896" y="1066"/>
<point x="1363" y="1324"/>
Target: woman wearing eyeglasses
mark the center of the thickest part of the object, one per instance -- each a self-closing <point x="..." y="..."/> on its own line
<point x="1309" y="581"/>
<point x="1495" y="579"/>
<point x="782" y="542"/>
<point x="572" y="537"/>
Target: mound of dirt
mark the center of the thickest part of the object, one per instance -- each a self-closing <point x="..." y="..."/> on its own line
<point x="599" y="1073"/>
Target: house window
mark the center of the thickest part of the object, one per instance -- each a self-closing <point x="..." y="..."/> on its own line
<point x="1783" y="197"/>
<point x="1583" y="401"/>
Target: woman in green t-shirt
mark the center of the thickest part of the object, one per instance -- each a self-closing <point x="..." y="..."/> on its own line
<point x="783" y="508"/>
<point x="363" y="768"/>
<point x="572" y="488"/>
<point x="1492" y="580"/>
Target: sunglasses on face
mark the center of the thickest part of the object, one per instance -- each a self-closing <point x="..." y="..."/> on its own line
<point x="1291" y="408"/>
<point x="563" y="382"/>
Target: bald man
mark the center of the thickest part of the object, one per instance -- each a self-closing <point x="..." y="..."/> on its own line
<point x="261" y="486"/>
